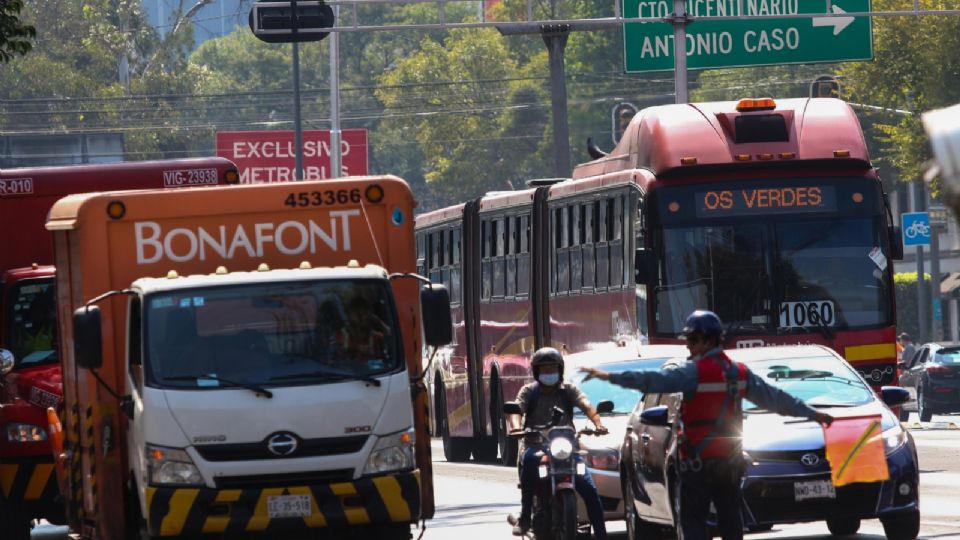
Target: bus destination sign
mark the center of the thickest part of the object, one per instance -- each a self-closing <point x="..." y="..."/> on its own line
<point x="750" y="201"/>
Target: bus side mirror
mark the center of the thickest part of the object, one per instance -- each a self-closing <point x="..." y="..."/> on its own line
<point x="642" y="259"/>
<point x="87" y="341"/>
<point x="435" y="310"/>
<point x="896" y="243"/>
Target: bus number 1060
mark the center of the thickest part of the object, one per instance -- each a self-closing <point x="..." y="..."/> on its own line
<point x="805" y="314"/>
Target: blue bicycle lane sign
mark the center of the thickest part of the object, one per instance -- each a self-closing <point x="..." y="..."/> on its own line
<point x="916" y="228"/>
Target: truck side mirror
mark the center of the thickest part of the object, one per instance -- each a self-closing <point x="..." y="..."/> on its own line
<point x="435" y="310"/>
<point x="642" y="259"/>
<point x="87" y="341"/>
<point x="896" y="243"/>
<point x="6" y="362"/>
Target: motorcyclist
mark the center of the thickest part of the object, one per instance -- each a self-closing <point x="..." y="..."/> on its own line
<point x="713" y="387"/>
<point x="537" y="401"/>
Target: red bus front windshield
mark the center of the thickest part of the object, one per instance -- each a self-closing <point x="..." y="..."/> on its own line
<point x="787" y="260"/>
<point x="32" y="322"/>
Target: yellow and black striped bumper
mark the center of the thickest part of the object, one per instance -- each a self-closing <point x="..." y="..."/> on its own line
<point x="187" y="511"/>
<point x="28" y="480"/>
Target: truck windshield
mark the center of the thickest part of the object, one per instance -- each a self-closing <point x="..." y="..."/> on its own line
<point x="32" y="321"/>
<point x="777" y="272"/>
<point x="278" y="334"/>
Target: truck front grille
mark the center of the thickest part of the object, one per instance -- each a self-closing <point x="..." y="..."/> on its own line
<point x="328" y="446"/>
<point x="307" y="478"/>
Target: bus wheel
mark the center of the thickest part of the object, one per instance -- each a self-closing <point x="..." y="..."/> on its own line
<point x="454" y="449"/>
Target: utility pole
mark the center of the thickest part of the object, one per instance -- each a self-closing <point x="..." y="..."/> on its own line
<point x="336" y="169"/>
<point x="680" y="21"/>
<point x="555" y="38"/>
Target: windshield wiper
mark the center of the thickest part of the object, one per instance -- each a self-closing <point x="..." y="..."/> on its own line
<point x="830" y="405"/>
<point x="259" y="390"/>
<point x="329" y="375"/>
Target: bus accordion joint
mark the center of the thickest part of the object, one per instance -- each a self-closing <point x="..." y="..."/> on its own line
<point x="762" y="104"/>
<point x="841" y="153"/>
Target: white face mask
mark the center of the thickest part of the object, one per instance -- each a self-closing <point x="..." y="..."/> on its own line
<point x="549" y="379"/>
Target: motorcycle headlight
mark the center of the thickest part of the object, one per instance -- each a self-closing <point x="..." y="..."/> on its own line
<point x="561" y="448"/>
<point x="25" y="433"/>
<point x="608" y="460"/>
<point x="894" y="438"/>
<point x="394" y="452"/>
<point x="171" y="466"/>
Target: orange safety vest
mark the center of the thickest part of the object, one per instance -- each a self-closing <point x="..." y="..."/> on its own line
<point x="712" y="421"/>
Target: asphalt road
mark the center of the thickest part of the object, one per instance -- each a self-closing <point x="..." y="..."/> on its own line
<point x="474" y="500"/>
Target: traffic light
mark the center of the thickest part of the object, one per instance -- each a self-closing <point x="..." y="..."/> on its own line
<point x="286" y="22"/>
<point x="825" y="86"/>
<point x="623" y="113"/>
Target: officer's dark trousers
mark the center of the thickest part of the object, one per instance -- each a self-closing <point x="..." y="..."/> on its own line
<point x="717" y="482"/>
<point x="530" y="475"/>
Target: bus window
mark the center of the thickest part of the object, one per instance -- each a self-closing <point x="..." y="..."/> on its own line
<point x="576" y="260"/>
<point x="586" y="210"/>
<point x="603" y="247"/>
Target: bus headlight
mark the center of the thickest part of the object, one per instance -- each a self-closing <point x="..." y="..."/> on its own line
<point x="171" y="466"/>
<point x="394" y="452"/>
<point x="561" y="448"/>
<point x="25" y="433"/>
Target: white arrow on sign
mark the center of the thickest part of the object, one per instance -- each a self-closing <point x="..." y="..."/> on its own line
<point x="838" y="23"/>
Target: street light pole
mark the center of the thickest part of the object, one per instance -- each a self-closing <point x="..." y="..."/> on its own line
<point x="555" y="38"/>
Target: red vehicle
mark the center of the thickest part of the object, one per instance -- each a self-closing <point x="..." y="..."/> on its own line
<point x="768" y="213"/>
<point x="28" y="315"/>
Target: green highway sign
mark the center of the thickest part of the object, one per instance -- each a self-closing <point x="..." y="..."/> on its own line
<point x="740" y="42"/>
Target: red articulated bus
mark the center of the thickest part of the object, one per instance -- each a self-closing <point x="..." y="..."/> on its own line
<point x="767" y="212"/>
<point x="32" y="382"/>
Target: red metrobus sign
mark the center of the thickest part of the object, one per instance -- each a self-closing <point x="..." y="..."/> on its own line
<point x="269" y="156"/>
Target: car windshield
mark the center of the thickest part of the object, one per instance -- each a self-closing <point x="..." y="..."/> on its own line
<point x="624" y="399"/>
<point x="277" y="334"/>
<point x="823" y="381"/>
<point x="765" y="272"/>
<point x="32" y="326"/>
<point x="947" y="356"/>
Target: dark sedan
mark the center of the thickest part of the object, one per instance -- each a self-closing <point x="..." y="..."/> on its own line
<point x="788" y="477"/>
<point x="932" y="377"/>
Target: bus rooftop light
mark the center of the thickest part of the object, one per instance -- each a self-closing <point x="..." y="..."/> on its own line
<point x="762" y="104"/>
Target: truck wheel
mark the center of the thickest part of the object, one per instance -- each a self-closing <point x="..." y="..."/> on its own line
<point x="392" y="531"/>
<point x="14" y="525"/>
<point x="905" y="526"/>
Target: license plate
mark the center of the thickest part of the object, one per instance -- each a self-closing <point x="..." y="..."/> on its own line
<point x="285" y="506"/>
<point x="818" y="489"/>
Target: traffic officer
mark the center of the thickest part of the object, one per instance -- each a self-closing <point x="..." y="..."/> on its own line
<point x="711" y="455"/>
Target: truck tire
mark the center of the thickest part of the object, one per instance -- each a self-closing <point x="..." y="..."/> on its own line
<point x="392" y="531"/>
<point x="14" y="524"/>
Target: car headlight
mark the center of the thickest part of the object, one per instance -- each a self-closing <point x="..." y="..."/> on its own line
<point x="25" y="433"/>
<point x="561" y="448"/>
<point x="171" y="466"/>
<point x="894" y="438"/>
<point x="394" y="452"/>
<point x="606" y="460"/>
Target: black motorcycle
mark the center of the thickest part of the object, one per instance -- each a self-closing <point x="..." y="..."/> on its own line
<point x="555" y="501"/>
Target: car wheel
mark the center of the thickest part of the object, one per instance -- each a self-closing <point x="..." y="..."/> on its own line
<point x="922" y="407"/>
<point x="902" y="526"/>
<point x="454" y="449"/>
<point x="843" y="526"/>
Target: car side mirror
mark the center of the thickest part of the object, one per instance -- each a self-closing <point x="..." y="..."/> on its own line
<point x="894" y="395"/>
<point x="87" y="341"/>
<point x="642" y="260"/>
<point x="605" y="406"/>
<point x="435" y="311"/>
<point x="902" y="365"/>
<point x="512" y="407"/>
<point x="7" y="362"/>
<point x="655" y="416"/>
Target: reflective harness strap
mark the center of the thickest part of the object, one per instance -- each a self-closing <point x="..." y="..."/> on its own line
<point x="731" y="384"/>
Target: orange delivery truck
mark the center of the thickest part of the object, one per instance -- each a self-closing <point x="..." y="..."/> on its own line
<point x="244" y="359"/>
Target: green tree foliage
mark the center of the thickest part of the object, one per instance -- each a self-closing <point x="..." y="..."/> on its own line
<point x="15" y="36"/>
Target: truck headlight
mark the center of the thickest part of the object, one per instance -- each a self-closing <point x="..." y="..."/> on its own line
<point x="561" y="448"/>
<point x="17" y="432"/>
<point x="394" y="452"/>
<point x="171" y="466"/>
<point x="894" y="438"/>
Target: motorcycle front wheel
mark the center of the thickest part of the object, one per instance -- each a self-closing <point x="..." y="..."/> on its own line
<point x="565" y="515"/>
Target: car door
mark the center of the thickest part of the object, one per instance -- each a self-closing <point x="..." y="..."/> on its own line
<point x="655" y="444"/>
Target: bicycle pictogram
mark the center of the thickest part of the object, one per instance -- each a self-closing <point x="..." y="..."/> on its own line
<point x="918" y="228"/>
